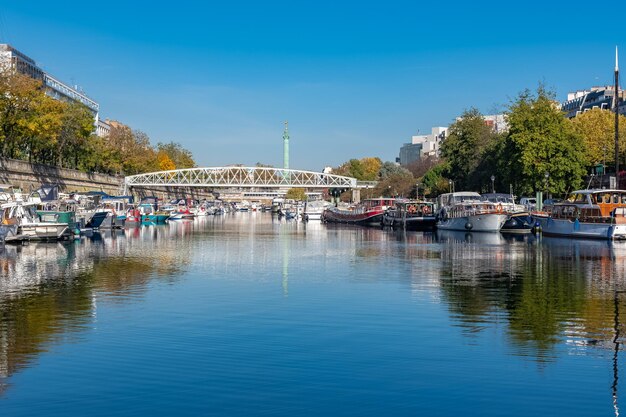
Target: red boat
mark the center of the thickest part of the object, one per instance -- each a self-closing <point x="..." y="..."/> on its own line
<point x="367" y="213"/>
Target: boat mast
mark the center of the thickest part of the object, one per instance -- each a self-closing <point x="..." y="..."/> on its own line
<point x="616" y="108"/>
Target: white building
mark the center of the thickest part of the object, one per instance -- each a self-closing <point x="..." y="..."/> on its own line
<point x="12" y="59"/>
<point x="103" y="128"/>
<point x="422" y="146"/>
<point x="497" y="122"/>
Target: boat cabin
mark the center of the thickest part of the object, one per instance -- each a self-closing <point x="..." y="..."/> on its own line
<point x="377" y="202"/>
<point x="593" y="206"/>
<point x="414" y="208"/>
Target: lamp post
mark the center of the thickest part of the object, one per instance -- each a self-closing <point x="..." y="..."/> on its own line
<point x="417" y="191"/>
<point x="493" y="187"/>
<point x="450" y="185"/>
<point x="547" y="175"/>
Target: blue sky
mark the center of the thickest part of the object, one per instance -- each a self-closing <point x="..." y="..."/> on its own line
<point x="353" y="79"/>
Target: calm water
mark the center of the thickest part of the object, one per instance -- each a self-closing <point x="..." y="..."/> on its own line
<point x="243" y="315"/>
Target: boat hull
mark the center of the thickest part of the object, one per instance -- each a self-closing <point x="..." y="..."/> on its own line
<point x="477" y="223"/>
<point x="44" y="231"/>
<point x="313" y="215"/>
<point x="410" y="223"/>
<point x="368" y="218"/>
<point x="583" y="230"/>
<point x="518" y="223"/>
<point x="154" y="218"/>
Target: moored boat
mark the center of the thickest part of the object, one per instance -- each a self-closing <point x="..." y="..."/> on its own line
<point x="411" y="215"/>
<point x="367" y="213"/>
<point x="32" y="225"/>
<point x="591" y="214"/>
<point x="313" y="209"/>
<point x="468" y="211"/>
<point x="519" y="219"/>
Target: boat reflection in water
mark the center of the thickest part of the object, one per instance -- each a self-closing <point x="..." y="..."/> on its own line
<point x="522" y="299"/>
<point x="50" y="291"/>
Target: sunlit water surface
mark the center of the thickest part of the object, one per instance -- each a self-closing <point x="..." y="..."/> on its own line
<point x="246" y="315"/>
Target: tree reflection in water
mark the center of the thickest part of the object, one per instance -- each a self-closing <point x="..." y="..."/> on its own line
<point x="541" y="292"/>
<point x="49" y="291"/>
<point x="548" y="290"/>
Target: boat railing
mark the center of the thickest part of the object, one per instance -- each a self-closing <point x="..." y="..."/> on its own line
<point x="474" y="210"/>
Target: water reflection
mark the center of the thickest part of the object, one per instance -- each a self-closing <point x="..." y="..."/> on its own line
<point x="547" y="297"/>
<point x="50" y="291"/>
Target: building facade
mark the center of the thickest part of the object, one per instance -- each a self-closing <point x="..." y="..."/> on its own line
<point x="595" y="98"/>
<point x="422" y="146"/>
<point x="13" y="60"/>
<point x="497" y="122"/>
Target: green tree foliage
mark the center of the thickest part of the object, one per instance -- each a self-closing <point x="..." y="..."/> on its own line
<point x="541" y="140"/>
<point x="180" y="156"/>
<point x="18" y="100"/>
<point x="73" y="140"/>
<point x="434" y="181"/>
<point x="298" y="194"/>
<point x="597" y="129"/>
<point x="469" y="141"/>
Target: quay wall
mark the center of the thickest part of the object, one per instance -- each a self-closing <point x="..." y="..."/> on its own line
<point x="29" y="177"/>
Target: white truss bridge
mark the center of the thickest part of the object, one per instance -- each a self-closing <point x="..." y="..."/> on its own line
<point x="240" y="177"/>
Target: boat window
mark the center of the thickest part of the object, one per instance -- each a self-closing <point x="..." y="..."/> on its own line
<point x="615" y="198"/>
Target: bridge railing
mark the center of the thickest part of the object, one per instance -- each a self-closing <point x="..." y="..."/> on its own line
<point x="240" y="177"/>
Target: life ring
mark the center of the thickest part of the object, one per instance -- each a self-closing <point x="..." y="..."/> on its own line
<point x="499" y="208"/>
<point x="426" y="210"/>
<point x="411" y="209"/>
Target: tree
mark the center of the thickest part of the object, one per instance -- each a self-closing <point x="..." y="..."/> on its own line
<point x="422" y="165"/>
<point x="433" y="182"/>
<point x="181" y="157"/>
<point x="298" y="194"/>
<point x="397" y="184"/>
<point x="370" y="167"/>
<point x="597" y="129"/>
<point x="464" y="149"/>
<point x="42" y="127"/>
<point x="365" y="169"/>
<point x="541" y="140"/>
<point x="18" y="96"/>
<point x="389" y="169"/>
<point x="164" y="162"/>
<point x="76" y="128"/>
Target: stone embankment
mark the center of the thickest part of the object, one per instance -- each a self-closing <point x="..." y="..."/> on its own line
<point x="30" y="177"/>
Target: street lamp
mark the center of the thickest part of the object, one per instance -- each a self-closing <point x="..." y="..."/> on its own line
<point x="493" y="188"/>
<point x="547" y="175"/>
<point x="450" y="185"/>
<point x="417" y="191"/>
